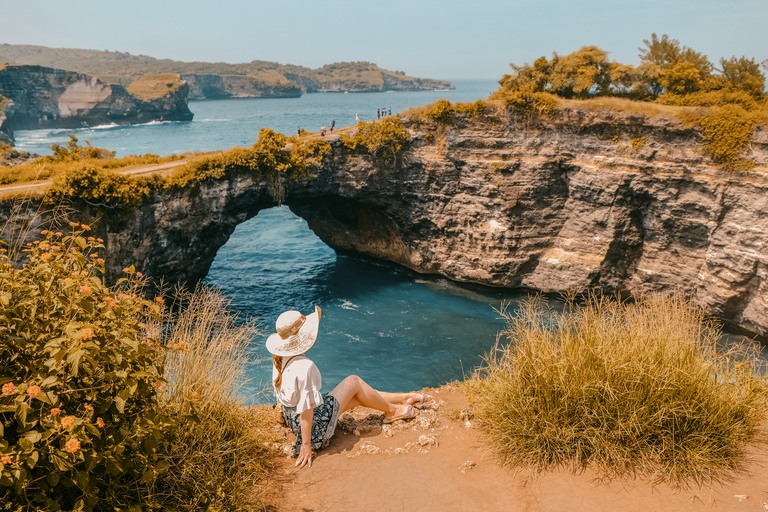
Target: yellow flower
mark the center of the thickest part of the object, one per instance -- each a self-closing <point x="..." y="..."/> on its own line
<point x="91" y="239"/>
<point x="55" y="411"/>
<point x="67" y="421"/>
<point x="100" y="422"/>
<point x="88" y="407"/>
<point x="73" y="224"/>
<point x="44" y="232"/>
<point x="86" y="227"/>
<point x="45" y="256"/>
<point x="95" y="255"/>
<point x="67" y="280"/>
<point x="33" y="391"/>
<point x="58" y="233"/>
<point x="85" y="289"/>
<point x="194" y="394"/>
<point x="100" y="260"/>
<point x="8" y="388"/>
<point x="72" y="445"/>
<point x="7" y="459"/>
<point x="87" y="334"/>
<point x="176" y="346"/>
<point x="159" y="300"/>
<point x="139" y="274"/>
<point x="44" y="245"/>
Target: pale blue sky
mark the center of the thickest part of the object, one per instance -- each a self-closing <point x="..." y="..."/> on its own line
<point x="426" y="38"/>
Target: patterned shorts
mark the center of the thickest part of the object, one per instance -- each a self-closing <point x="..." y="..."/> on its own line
<point x="324" y="419"/>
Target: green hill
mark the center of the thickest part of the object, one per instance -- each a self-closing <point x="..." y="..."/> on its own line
<point x="124" y="68"/>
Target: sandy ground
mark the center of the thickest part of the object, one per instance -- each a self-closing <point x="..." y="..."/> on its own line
<point x="435" y="463"/>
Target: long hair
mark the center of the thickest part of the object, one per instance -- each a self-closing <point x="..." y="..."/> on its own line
<point x="278" y="362"/>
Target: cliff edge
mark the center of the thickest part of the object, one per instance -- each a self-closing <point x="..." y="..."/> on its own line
<point x="53" y="98"/>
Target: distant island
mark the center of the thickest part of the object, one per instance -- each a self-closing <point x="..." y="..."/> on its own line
<point x="219" y="80"/>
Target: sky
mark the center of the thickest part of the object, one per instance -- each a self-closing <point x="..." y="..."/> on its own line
<point x="449" y="39"/>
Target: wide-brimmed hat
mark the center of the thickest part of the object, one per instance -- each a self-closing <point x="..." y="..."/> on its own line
<point x="296" y="333"/>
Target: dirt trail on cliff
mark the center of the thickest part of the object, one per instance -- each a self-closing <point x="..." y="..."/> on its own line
<point x="134" y="170"/>
<point x="435" y="463"/>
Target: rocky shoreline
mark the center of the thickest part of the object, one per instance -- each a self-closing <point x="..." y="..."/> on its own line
<point x="41" y="97"/>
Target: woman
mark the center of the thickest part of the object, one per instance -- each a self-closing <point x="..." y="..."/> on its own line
<point x="297" y="384"/>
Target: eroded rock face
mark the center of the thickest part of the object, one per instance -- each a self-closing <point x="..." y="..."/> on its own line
<point x="53" y="98"/>
<point x="588" y="200"/>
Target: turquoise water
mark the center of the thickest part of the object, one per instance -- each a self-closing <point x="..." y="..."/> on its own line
<point x="396" y="330"/>
<point x="221" y="124"/>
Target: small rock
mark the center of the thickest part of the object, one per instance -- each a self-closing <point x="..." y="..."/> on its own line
<point x="427" y="440"/>
<point x="466" y="466"/>
<point x="387" y="431"/>
<point x="740" y="497"/>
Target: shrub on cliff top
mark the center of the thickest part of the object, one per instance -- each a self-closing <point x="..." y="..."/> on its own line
<point x="384" y="140"/>
<point x="80" y="422"/>
<point x="623" y="388"/>
<point x="272" y="156"/>
<point x="99" y="187"/>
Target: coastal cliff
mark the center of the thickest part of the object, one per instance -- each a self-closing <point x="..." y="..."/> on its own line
<point x="582" y="200"/>
<point x="218" y="80"/>
<point x="53" y="98"/>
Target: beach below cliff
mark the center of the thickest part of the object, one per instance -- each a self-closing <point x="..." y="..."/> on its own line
<point x="440" y="461"/>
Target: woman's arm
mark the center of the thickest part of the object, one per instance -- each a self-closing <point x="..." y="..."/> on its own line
<point x="305" y="455"/>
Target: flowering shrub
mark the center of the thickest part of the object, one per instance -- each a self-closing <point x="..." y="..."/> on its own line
<point x="80" y="425"/>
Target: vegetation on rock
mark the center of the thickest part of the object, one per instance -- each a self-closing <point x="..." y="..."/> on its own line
<point x="729" y="101"/>
<point x="623" y="388"/>
<point x="150" y="87"/>
<point x="384" y="140"/>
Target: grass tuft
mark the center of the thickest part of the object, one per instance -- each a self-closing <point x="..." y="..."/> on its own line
<point x="622" y="388"/>
<point x="219" y="459"/>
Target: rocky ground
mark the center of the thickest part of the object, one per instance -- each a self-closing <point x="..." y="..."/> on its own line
<point x="440" y="462"/>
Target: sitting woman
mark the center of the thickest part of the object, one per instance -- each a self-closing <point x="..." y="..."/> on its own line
<point x="297" y="384"/>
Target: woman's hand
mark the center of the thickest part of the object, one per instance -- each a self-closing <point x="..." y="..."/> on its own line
<point x="305" y="456"/>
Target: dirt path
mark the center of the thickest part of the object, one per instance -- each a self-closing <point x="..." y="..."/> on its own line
<point x="34" y="187"/>
<point x="434" y="463"/>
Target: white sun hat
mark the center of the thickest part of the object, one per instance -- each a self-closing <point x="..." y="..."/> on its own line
<point x="296" y="333"/>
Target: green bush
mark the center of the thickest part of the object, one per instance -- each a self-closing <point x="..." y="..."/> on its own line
<point x="80" y="422"/>
<point x="530" y="104"/>
<point x="440" y="111"/>
<point x="272" y="155"/>
<point x="386" y="139"/>
<point x="74" y="152"/>
<point x="623" y="388"/>
<point x="100" y="187"/>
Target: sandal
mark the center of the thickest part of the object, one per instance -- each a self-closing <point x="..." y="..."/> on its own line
<point x="425" y="398"/>
<point x="409" y="413"/>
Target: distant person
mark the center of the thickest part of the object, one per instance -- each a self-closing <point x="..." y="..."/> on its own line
<point x="297" y="382"/>
<point x="390" y="112"/>
<point x="357" y="117"/>
<point x="333" y="125"/>
<point x="322" y="131"/>
<point x="298" y="132"/>
<point x="378" y="114"/>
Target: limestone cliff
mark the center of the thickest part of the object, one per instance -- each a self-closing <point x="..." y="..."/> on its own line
<point x="583" y="200"/>
<point x="214" y="87"/>
<point x="47" y="97"/>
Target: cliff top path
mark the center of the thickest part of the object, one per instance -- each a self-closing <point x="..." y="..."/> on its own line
<point x="436" y="463"/>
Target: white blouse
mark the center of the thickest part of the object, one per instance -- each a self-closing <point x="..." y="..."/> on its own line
<point x="301" y="384"/>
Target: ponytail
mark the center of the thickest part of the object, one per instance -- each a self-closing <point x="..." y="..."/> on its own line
<point x="278" y="362"/>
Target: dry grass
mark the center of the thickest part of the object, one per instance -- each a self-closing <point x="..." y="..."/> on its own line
<point x="623" y="388"/>
<point x="218" y="457"/>
<point x="625" y="105"/>
<point x="150" y="87"/>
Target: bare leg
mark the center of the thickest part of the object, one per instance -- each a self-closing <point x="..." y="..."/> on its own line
<point x="354" y="391"/>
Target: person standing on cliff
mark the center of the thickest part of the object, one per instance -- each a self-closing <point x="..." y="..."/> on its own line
<point x="313" y="417"/>
<point x="357" y="117"/>
<point x="378" y="114"/>
<point x="333" y="125"/>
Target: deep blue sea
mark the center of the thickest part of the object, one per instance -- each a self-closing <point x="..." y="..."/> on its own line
<point x="397" y="330"/>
